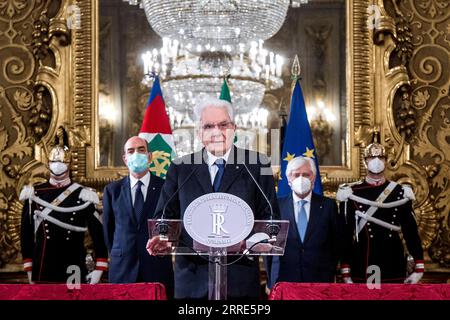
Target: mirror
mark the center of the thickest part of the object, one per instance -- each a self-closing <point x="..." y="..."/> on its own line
<point x="313" y="31"/>
<point x="334" y="82"/>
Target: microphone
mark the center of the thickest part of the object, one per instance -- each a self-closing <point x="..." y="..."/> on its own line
<point x="272" y="228"/>
<point x="163" y="227"/>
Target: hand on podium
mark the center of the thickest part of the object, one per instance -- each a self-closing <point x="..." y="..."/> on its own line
<point x="259" y="242"/>
<point x="157" y="246"/>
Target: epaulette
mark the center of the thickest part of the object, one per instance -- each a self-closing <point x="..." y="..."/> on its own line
<point x="345" y="191"/>
<point x="89" y="195"/>
<point x="408" y="192"/>
<point x="351" y="184"/>
<point x="41" y="185"/>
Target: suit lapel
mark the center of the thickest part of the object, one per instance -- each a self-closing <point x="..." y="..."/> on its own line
<point x="314" y="215"/>
<point x="149" y="201"/>
<point x="289" y="214"/>
<point x="126" y="194"/>
<point x="233" y="169"/>
<point x="202" y="173"/>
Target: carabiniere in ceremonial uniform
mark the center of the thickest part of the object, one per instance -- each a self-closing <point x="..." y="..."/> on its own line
<point x="55" y="217"/>
<point x="378" y="213"/>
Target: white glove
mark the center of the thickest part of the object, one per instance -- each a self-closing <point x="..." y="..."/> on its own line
<point x="414" y="277"/>
<point x="94" y="277"/>
<point x="30" y="274"/>
<point x="347" y="280"/>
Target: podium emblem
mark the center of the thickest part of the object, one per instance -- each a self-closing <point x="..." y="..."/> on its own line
<point x="218" y="220"/>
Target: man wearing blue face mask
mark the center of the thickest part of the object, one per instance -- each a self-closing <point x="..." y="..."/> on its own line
<point x="127" y="204"/>
<point x="315" y="230"/>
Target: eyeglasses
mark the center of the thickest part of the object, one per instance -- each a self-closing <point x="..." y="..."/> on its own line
<point x="221" y="126"/>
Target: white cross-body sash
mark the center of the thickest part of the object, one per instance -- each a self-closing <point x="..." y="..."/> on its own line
<point x="39" y="216"/>
<point x="369" y="213"/>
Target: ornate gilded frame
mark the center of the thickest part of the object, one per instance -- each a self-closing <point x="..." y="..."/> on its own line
<point x="377" y="90"/>
<point x="85" y="80"/>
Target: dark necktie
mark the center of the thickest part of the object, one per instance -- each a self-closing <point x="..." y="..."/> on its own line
<point x="138" y="201"/>
<point x="220" y="163"/>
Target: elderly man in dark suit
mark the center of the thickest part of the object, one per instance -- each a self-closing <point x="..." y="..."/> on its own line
<point x="127" y="204"/>
<point x="315" y="230"/>
<point x="216" y="168"/>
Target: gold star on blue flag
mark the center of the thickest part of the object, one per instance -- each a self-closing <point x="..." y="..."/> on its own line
<point x="298" y="141"/>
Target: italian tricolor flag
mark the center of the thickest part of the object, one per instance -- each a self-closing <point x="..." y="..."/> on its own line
<point x="225" y="95"/>
<point x="156" y="130"/>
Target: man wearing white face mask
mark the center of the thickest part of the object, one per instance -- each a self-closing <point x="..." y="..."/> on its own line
<point x="313" y="243"/>
<point x="376" y="211"/>
<point x="55" y="217"/>
<point x="127" y="204"/>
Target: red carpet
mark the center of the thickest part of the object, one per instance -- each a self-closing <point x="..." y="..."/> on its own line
<point x="137" y="291"/>
<point x="337" y="291"/>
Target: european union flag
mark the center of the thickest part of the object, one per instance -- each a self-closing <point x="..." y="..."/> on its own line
<point x="298" y="141"/>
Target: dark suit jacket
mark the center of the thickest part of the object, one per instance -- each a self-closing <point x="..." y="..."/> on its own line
<point x="191" y="272"/>
<point x="315" y="260"/>
<point x="126" y="238"/>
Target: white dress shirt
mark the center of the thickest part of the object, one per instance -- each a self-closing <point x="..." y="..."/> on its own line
<point x="213" y="168"/>
<point x="133" y="185"/>
<point x="307" y="205"/>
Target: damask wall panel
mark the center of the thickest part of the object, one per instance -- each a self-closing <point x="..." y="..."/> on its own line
<point x="430" y="147"/>
<point x="28" y="30"/>
<point x="18" y="71"/>
<point x="417" y="131"/>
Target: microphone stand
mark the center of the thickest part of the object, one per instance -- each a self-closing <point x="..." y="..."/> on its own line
<point x="272" y="228"/>
<point x="163" y="226"/>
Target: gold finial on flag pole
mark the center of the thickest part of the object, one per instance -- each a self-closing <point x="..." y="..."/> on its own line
<point x="295" y="72"/>
<point x="296" y="69"/>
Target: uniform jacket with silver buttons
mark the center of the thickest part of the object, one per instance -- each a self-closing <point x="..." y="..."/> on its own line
<point x="377" y="245"/>
<point x="52" y="249"/>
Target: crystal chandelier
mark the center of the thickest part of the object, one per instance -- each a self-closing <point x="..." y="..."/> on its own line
<point x="187" y="78"/>
<point x="219" y="23"/>
<point x="174" y="61"/>
<point x="207" y="40"/>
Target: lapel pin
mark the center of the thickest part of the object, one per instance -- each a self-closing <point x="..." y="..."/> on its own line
<point x="237" y="167"/>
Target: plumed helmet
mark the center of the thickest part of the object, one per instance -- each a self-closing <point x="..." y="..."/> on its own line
<point x="375" y="149"/>
<point x="60" y="151"/>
